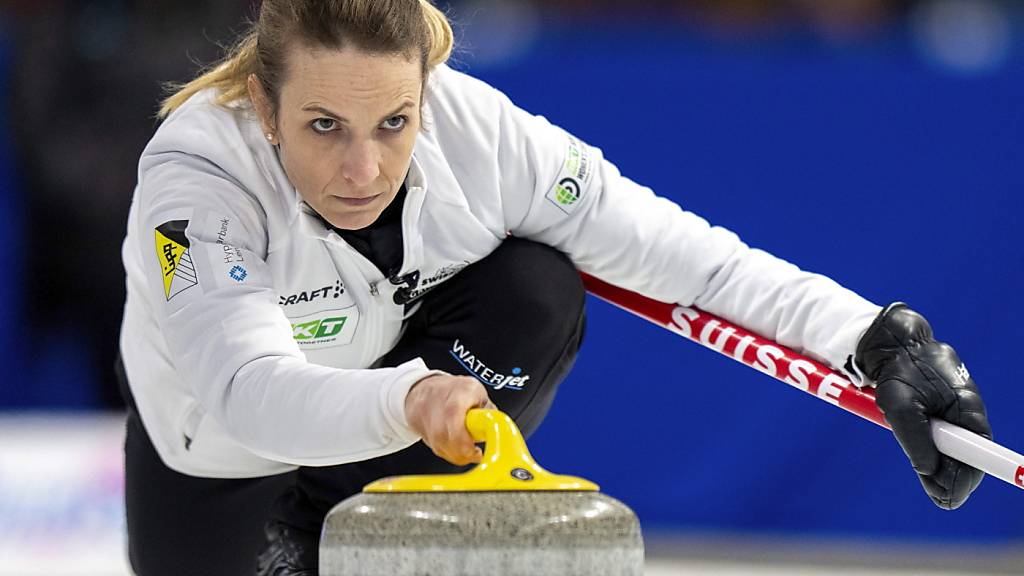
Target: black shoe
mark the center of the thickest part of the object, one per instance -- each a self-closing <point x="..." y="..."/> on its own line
<point x="289" y="551"/>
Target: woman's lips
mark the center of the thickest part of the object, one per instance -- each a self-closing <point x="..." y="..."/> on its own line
<point x="357" y="201"/>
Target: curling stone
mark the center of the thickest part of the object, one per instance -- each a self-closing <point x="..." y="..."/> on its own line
<point x="507" y="516"/>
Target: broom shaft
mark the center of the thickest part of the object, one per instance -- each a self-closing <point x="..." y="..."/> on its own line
<point x="805" y="374"/>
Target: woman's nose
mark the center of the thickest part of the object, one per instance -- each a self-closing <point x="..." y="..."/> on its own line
<point x="361" y="164"/>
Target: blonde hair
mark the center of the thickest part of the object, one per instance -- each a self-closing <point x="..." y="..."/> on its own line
<point x="377" y="26"/>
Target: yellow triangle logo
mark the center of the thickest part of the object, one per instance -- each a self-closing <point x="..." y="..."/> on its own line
<point x="172" y="252"/>
<point x="168" y="252"/>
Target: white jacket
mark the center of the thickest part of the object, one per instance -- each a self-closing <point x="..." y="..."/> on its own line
<point x="249" y="326"/>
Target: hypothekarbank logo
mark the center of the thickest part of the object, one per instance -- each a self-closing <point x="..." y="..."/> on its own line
<point x="476" y="367"/>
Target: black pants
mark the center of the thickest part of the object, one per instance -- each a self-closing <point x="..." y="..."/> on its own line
<point x="519" y="312"/>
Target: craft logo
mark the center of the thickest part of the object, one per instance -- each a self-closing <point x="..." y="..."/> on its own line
<point x="319" y="331"/>
<point x="573" y="177"/>
<point x="329" y="291"/>
<point x="172" y="251"/>
<point x="237" y="273"/>
<point x="478" y="369"/>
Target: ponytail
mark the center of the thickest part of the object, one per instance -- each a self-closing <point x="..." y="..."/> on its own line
<point x="441" y="37"/>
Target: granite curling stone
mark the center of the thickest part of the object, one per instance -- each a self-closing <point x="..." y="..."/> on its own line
<point x="506" y="517"/>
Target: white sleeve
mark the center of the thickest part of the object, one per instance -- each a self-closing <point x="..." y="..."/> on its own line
<point x="204" y="241"/>
<point x="559" y="191"/>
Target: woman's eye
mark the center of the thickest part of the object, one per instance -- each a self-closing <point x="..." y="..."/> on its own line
<point x="324" y="125"/>
<point x="395" y="123"/>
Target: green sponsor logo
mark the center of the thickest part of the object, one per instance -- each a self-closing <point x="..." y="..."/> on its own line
<point x="317" y="329"/>
<point x="567" y="192"/>
<point x="572" y="161"/>
<point x="572" y="178"/>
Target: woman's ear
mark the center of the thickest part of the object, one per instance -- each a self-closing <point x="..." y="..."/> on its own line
<point x="264" y="110"/>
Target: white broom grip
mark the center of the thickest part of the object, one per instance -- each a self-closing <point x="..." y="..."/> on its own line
<point x="979" y="452"/>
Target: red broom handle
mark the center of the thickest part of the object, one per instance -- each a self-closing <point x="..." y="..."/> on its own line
<point x="805" y="374"/>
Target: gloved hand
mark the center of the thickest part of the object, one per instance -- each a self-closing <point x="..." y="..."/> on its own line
<point x="918" y="378"/>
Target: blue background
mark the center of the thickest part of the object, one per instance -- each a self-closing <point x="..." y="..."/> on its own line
<point x="12" y="343"/>
<point x="898" y="179"/>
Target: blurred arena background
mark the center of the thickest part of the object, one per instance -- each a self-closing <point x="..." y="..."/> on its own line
<point x="878" y="142"/>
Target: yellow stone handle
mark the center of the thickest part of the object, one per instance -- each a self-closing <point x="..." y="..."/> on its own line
<point x="506" y="464"/>
<point x="504" y="443"/>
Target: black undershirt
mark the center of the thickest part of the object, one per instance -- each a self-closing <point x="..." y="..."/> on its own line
<point x="381" y="241"/>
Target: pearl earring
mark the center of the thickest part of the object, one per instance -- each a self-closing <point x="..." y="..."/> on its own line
<point x="270" y="137"/>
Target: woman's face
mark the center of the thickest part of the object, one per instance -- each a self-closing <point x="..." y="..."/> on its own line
<point x="346" y="124"/>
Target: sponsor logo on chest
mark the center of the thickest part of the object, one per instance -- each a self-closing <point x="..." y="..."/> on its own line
<point x="319" y="328"/>
<point x="321" y="315"/>
<point x="427" y="284"/>
<point x="329" y="291"/>
<point x="326" y="328"/>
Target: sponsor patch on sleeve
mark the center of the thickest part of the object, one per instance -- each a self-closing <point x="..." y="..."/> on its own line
<point x="172" y="252"/>
<point x="573" y="179"/>
<point x="222" y="261"/>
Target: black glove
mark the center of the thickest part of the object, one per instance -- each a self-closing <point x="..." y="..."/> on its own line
<point x="919" y="378"/>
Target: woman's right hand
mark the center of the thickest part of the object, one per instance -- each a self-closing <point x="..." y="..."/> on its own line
<point x="436" y="409"/>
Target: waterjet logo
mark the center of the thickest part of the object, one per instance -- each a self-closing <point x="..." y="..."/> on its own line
<point x="476" y="367"/>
